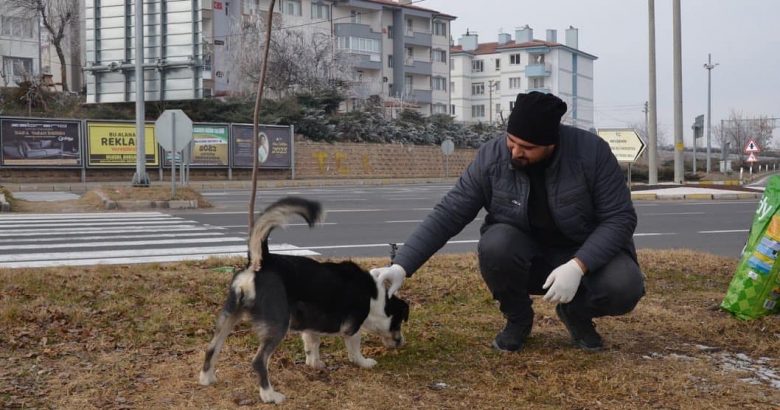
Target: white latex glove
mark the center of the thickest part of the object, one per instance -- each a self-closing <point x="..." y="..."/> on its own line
<point x="395" y="274"/>
<point x="563" y="282"/>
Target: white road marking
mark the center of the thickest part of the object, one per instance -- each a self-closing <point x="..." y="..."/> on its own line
<point x="726" y="231"/>
<point x="154" y="228"/>
<point x="404" y="222"/>
<point x="655" y="234"/>
<point x="67" y="236"/>
<point x="214" y="239"/>
<point x="673" y="213"/>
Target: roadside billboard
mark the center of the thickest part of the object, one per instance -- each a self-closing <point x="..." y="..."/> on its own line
<point x="209" y="146"/>
<point x="31" y="142"/>
<point x="274" y="146"/>
<point x="112" y="144"/>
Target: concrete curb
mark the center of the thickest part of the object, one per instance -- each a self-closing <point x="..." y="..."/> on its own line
<point x="4" y="205"/>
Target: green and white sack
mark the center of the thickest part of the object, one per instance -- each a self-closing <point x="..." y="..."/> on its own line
<point x="755" y="289"/>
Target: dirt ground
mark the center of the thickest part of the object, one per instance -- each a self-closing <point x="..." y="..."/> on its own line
<point x="133" y="337"/>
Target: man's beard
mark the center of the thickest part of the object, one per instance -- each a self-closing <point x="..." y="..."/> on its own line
<point x="520" y="163"/>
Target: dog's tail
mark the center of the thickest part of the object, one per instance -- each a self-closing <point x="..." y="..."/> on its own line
<point x="278" y="214"/>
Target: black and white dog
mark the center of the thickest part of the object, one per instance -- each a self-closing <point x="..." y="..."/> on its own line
<point x="283" y="292"/>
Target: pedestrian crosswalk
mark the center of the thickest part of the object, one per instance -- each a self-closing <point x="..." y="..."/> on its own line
<point x="39" y="240"/>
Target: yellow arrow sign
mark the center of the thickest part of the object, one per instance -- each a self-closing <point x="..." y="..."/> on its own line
<point x="625" y="143"/>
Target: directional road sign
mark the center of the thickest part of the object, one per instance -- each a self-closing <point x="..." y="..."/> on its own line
<point x="173" y="123"/>
<point x="625" y="143"/>
<point x="752" y="147"/>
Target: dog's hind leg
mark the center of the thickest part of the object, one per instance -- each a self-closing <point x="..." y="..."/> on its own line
<point x="355" y="355"/>
<point x="225" y="324"/>
<point x="311" y="345"/>
<point x="270" y="337"/>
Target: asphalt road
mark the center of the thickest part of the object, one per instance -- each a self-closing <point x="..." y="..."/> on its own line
<point x="361" y="220"/>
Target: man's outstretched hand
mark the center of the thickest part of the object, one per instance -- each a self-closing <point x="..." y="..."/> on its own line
<point x="563" y="282"/>
<point x="395" y="274"/>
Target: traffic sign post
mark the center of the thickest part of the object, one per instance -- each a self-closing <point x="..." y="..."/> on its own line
<point x="447" y="148"/>
<point x="625" y="143"/>
<point x="173" y="126"/>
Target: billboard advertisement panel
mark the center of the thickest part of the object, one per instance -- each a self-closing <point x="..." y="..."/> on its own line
<point x="112" y="144"/>
<point x="274" y="146"/>
<point x="38" y="142"/>
<point x="209" y="146"/>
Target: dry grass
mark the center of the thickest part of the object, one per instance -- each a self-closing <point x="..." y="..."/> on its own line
<point x="153" y="193"/>
<point x="133" y="337"/>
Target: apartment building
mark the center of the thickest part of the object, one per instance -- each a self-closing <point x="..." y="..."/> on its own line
<point x="486" y="77"/>
<point x="19" y="51"/>
<point x="395" y="49"/>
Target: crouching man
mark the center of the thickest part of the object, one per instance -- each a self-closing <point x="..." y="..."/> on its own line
<point x="559" y="222"/>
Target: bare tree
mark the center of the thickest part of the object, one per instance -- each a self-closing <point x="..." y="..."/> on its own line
<point x="738" y="129"/>
<point x="298" y="59"/>
<point x="57" y="16"/>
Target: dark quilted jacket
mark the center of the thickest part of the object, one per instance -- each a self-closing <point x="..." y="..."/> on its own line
<point x="587" y="194"/>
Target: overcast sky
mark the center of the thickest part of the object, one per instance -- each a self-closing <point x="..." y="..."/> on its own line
<point x="742" y="35"/>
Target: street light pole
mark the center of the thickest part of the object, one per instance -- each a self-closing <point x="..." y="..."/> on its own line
<point x="140" y="179"/>
<point x="678" y="100"/>
<point x="709" y="66"/>
<point x="652" y="120"/>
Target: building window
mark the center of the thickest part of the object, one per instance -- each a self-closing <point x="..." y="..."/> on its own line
<point x="390" y="32"/>
<point x="477" y="111"/>
<point x="409" y="27"/>
<point x="497" y="85"/>
<point x="292" y="7"/>
<point x="514" y="59"/>
<point x="498" y="64"/>
<point x="389" y="61"/>
<point x="409" y="56"/>
<point x="498" y="109"/>
<point x="19" y="69"/>
<point x="360" y="45"/>
<point x="452" y="86"/>
<point x="354" y="16"/>
<point x="514" y="82"/>
<point x="17" y="27"/>
<point x="439" y="83"/>
<point x="452" y="109"/>
<point x="440" y="28"/>
<point x="538" y="82"/>
<point x="320" y="11"/>
<point x="477" y="66"/>
<point x="478" y="89"/>
<point x="439" y="108"/>
<point x="408" y="82"/>
<point x="511" y="105"/>
<point x="538" y="58"/>
<point x="439" y="56"/>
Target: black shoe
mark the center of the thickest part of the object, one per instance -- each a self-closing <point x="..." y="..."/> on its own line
<point x="582" y="331"/>
<point x="512" y="338"/>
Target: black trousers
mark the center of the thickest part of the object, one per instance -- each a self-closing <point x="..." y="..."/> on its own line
<point x="514" y="266"/>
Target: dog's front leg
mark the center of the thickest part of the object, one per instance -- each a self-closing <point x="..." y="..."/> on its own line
<point x="355" y="355"/>
<point x="311" y="345"/>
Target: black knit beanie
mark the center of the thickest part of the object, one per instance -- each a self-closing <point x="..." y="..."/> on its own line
<point x="535" y="118"/>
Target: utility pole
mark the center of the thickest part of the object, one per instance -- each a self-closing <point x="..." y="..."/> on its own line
<point x="679" y="146"/>
<point x="652" y="141"/>
<point x="709" y="66"/>
<point x="140" y="179"/>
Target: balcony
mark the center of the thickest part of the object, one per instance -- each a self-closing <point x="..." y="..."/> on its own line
<point x="544" y="90"/>
<point x="417" y="67"/>
<point x="357" y="30"/>
<point x="422" y="96"/>
<point x="537" y="70"/>
<point x="366" y="61"/>
<point x="417" y="39"/>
